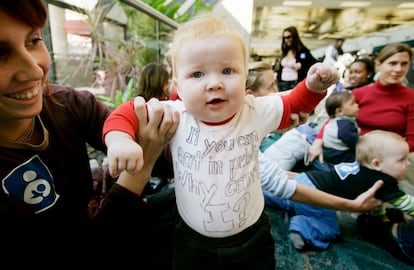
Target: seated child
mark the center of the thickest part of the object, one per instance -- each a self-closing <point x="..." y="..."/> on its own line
<point x="379" y="155"/>
<point x="340" y="133"/>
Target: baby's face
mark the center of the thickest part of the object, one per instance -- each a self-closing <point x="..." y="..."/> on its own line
<point x="349" y="107"/>
<point x="211" y="77"/>
<point x="395" y="161"/>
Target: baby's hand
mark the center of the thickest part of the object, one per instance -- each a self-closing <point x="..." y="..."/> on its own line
<point x="321" y="76"/>
<point x="123" y="153"/>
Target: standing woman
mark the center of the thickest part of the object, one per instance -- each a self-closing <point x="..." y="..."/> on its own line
<point x="46" y="181"/>
<point x="295" y="62"/>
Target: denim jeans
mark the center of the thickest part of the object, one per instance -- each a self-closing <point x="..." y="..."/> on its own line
<point x="318" y="226"/>
<point x="405" y="239"/>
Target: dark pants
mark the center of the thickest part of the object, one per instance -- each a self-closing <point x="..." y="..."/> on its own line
<point x="286" y="85"/>
<point x="405" y="239"/>
<point x="250" y="249"/>
<point x="379" y="233"/>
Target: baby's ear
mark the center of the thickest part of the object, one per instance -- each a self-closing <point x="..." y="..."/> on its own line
<point x="249" y="92"/>
<point x="338" y="111"/>
<point x="375" y="163"/>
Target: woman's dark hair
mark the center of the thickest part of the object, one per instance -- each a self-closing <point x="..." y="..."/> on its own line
<point x="152" y="80"/>
<point x="31" y="12"/>
<point x="297" y="44"/>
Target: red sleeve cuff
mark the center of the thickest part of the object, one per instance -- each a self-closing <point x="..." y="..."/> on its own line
<point x="123" y="119"/>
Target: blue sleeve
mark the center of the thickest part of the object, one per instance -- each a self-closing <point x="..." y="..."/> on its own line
<point x="348" y="132"/>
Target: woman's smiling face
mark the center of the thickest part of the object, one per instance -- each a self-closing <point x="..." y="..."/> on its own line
<point x="24" y="63"/>
<point x="393" y="69"/>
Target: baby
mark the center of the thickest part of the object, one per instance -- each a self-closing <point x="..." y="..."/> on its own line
<point x="215" y="148"/>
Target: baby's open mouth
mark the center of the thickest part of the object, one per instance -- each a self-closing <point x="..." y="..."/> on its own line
<point x="214" y="101"/>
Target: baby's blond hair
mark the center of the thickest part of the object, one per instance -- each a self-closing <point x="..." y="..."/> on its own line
<point x="375" y="144"/>
<point x="202" y="26"/>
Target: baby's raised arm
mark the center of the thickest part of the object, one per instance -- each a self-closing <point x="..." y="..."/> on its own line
<point x="320" y="76"/>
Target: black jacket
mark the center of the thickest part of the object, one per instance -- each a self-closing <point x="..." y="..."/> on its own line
<point x="305" y="57"/>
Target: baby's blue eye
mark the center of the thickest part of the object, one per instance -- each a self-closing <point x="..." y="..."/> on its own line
<point x="197" y="74"/>
<point x="227" y="71"/>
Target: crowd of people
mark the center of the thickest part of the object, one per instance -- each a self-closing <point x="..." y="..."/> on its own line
<point x="384" y="104"/>
<point x="208" y="138"/>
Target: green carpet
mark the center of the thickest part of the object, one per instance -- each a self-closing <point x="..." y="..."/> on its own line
<point x="348" y="253"/>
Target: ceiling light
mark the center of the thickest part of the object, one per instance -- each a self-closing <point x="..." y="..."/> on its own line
<point x="354" y="4"/>
<point x="297" y="3"/>
<point x="406" y="5"/>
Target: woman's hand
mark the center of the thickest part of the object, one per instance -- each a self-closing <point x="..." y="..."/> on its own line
<point x="158" y="131"/>
<point x="152" y="136"/>
<point x="366" y="201"/>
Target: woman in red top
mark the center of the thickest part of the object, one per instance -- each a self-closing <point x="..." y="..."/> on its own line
<point x="388" y="104"/>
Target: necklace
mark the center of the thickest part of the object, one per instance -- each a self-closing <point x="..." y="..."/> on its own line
<point x="28" y="133"/>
